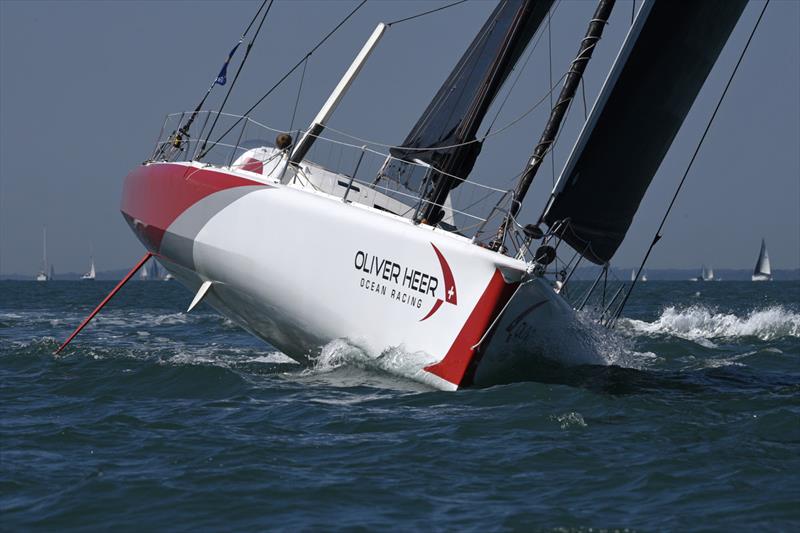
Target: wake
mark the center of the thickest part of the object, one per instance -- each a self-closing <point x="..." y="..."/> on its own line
<point x="698" y="322"/>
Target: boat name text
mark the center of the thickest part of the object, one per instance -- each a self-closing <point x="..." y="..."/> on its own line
<point x="390" y="271"/>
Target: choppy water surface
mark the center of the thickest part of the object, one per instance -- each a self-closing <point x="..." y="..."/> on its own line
<point x="156" y="419"/>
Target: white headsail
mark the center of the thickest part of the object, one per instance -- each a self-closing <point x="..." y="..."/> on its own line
<point x="42" y="276"/>
<point x="763" y="271"/>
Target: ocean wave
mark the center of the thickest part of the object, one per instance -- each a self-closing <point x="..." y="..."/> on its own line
<point x="570" y="420"/>
<point x="393" y="368"/>
<point x="606" y="347"/>
<point x="699" y="323"/>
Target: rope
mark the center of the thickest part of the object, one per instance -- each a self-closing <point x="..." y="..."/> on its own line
<point x="398" y="21"/>
<point x="289" y="73"/>
<point x="658" y="235"/>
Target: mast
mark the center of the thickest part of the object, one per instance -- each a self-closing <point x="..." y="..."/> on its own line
<point x="571" y="83"/>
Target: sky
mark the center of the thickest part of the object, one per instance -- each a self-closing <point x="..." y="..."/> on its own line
<point x="85" y="85"/>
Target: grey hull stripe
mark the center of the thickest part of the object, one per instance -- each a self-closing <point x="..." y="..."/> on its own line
<point x="179" y="239"/>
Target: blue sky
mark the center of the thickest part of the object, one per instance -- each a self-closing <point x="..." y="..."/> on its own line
<point x="84" y="87"/>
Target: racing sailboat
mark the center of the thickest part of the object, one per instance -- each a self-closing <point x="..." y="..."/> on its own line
<point x="388" y="258"/>
<point x="762" y="271"/>
<point x="706" y="274"/>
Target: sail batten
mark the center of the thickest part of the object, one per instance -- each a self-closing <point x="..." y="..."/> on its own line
<point x="656" y="77"/>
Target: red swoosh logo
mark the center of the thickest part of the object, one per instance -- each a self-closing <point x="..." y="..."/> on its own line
<point x="450" y="291"/>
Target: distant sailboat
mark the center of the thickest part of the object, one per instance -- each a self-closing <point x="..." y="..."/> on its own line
<point x="762" y="272"/>
<point x="644" y="276"/>
<point x="706" y="274"/>
<point x="633" y="274"/>
<point x="89" y="276"/>
<point x="42" y="275"/>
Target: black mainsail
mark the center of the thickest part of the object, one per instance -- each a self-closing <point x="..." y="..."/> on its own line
<point x="656" y="77"/>
<point x="444" y="137"/>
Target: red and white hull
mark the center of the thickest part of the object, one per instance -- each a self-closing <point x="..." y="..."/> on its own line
<point x="300" y="268"/>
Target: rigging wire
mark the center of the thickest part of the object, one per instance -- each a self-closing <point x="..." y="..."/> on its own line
<point x="238" y="71"/>
<point x="213" y="83"/>
<point x="519" y="73"/>
<point x="398" y="21"/>
<point x="583" y="92"/>
<point x="479" y="45"/>
<point x="184" y="130"/>
<point x="657" y="237"/>
<point x="299" y="90"/>
<point x="283" y="78"/>
<point x="457" y="145"/>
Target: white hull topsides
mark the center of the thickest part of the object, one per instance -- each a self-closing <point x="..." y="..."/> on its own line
<point x="299" y="268"/>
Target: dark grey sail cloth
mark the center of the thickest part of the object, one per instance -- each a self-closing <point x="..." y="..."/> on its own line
<point x="455" y="113"/>
<point x="662" y="65"/>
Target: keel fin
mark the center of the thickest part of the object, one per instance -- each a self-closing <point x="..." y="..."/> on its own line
<point x="200" y="295"/>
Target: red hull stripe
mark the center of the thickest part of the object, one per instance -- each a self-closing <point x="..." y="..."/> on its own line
<point x="458" y="366"/>
<point x="155" y="195"/>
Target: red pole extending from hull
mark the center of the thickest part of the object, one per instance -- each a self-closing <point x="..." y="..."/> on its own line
<point x="111" y="294"/>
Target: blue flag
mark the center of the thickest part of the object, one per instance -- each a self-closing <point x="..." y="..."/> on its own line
<point x="222" y="78"/>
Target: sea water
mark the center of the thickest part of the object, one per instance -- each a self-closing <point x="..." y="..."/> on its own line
<point x="158" y="419"/>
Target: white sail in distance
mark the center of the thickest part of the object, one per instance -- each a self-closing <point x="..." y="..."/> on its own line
<point x="42" y="276"/>
<point x="762" y="271"/>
